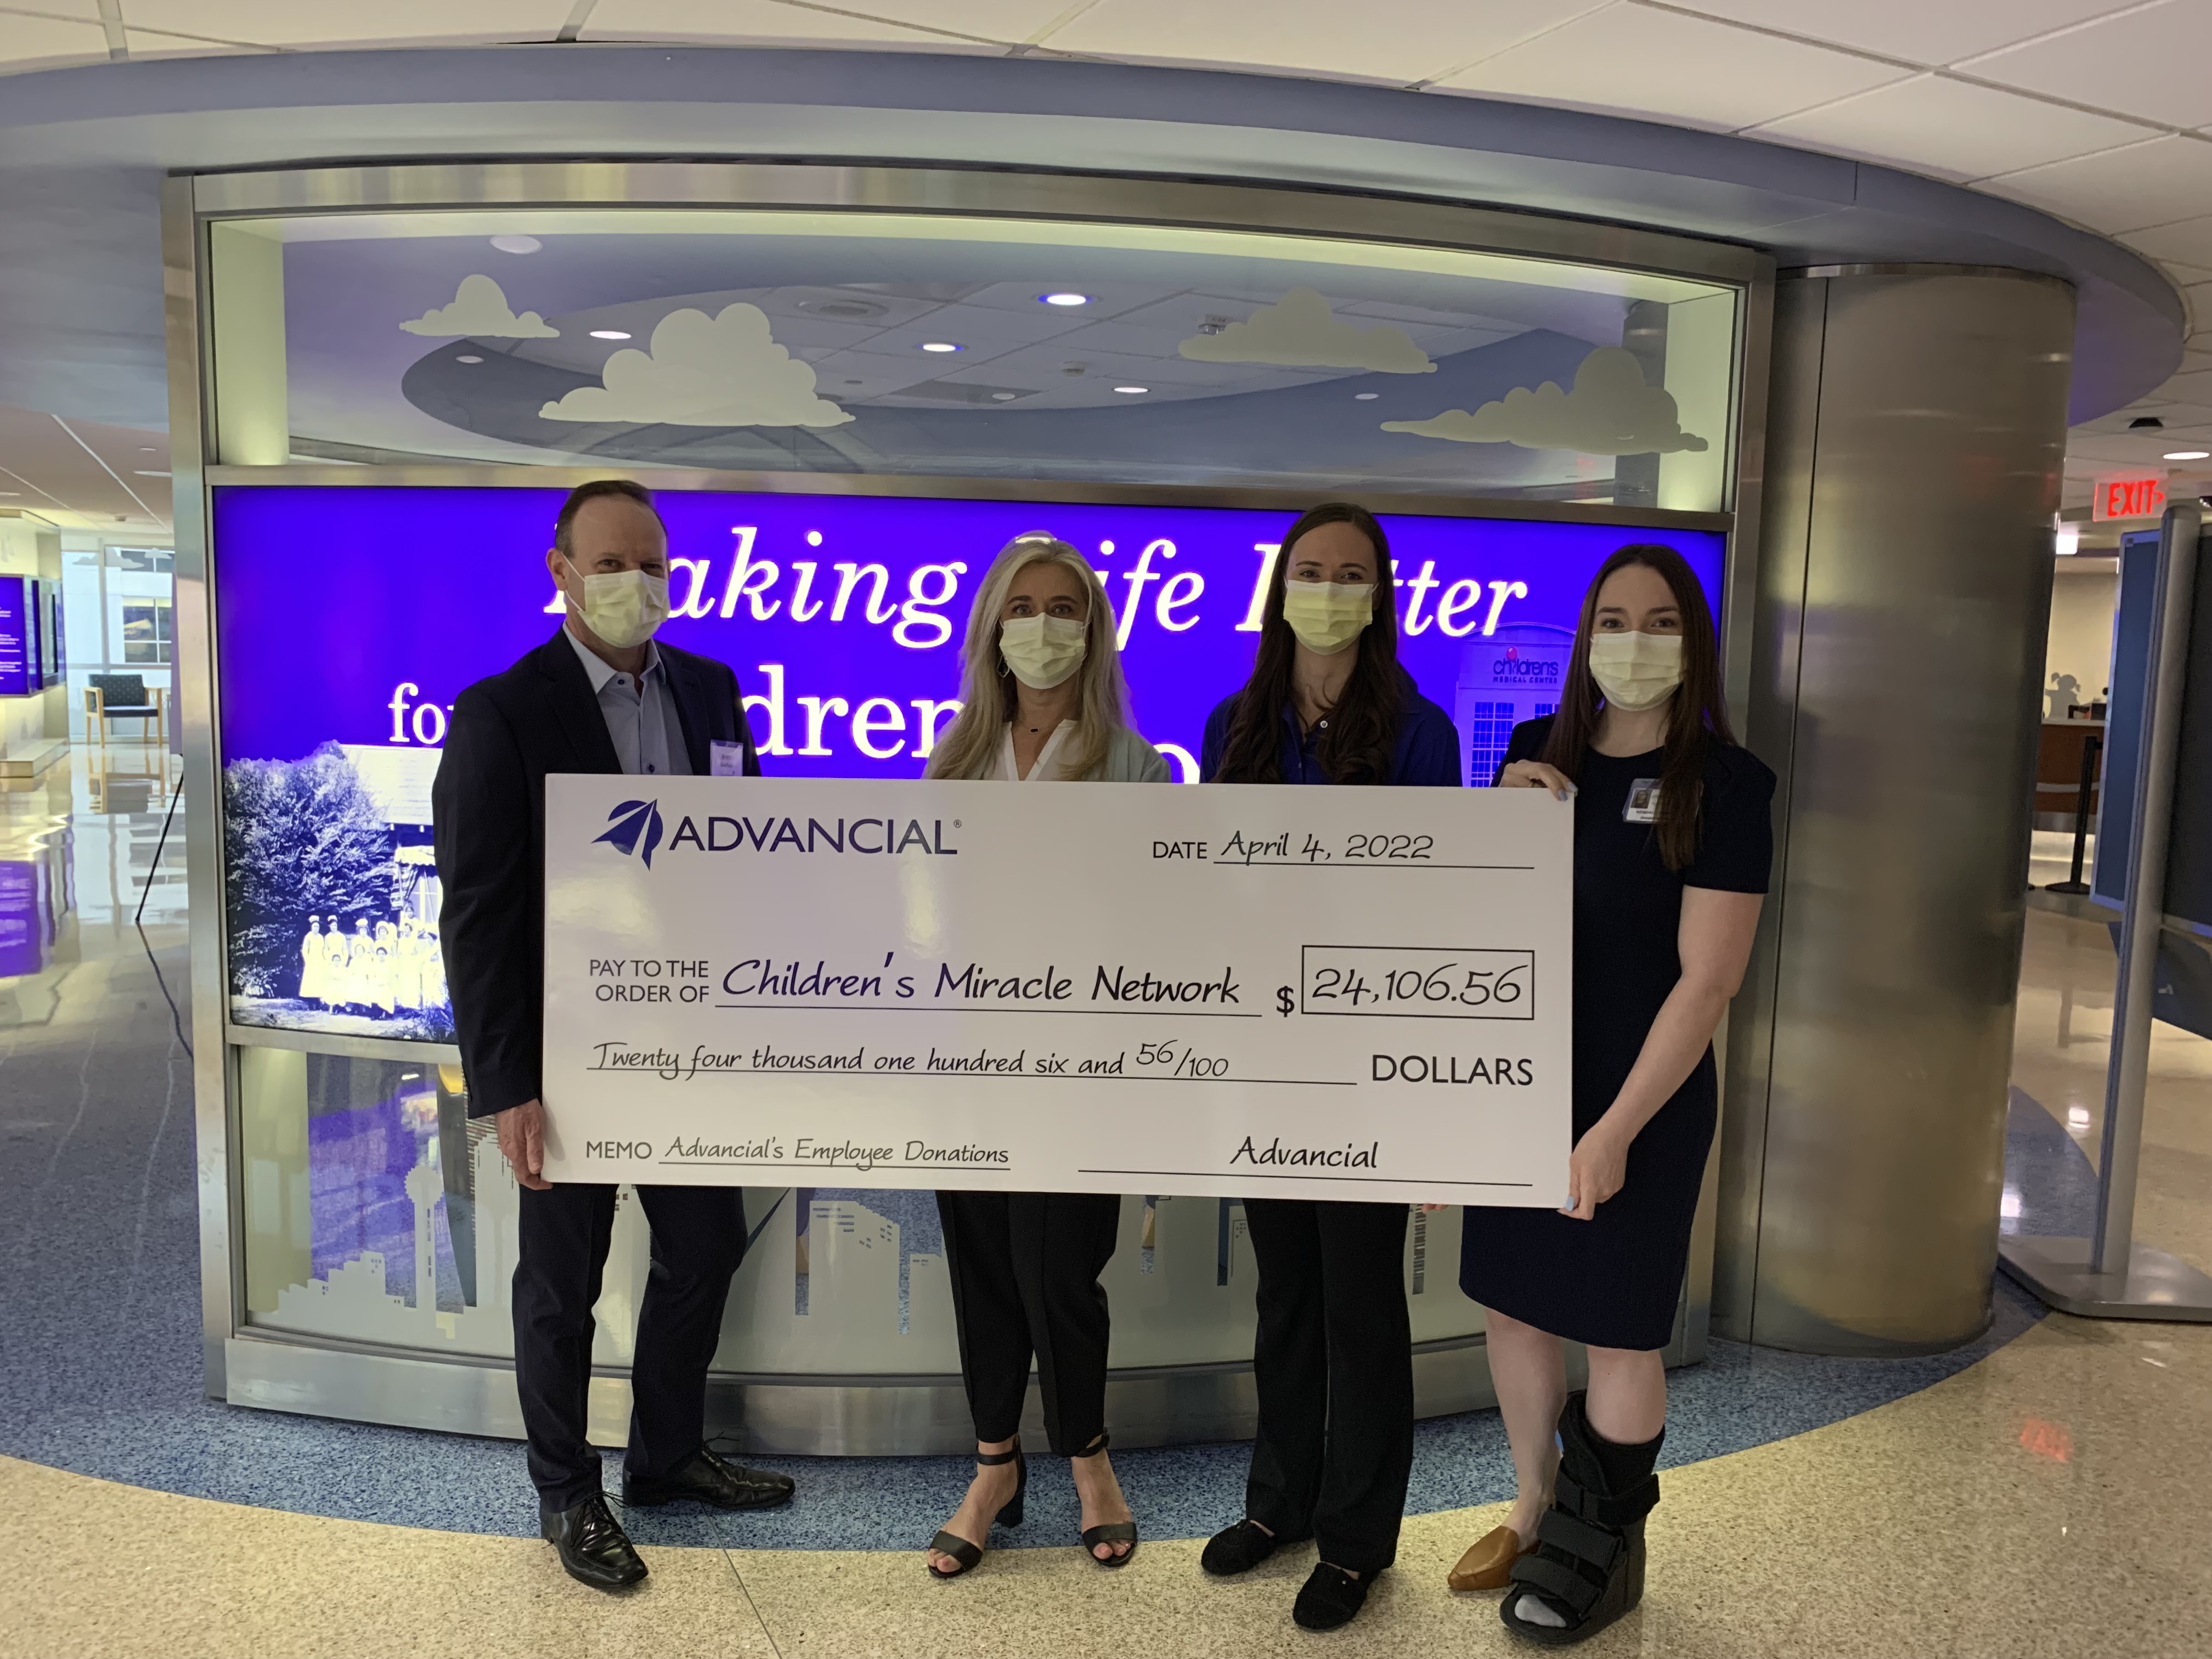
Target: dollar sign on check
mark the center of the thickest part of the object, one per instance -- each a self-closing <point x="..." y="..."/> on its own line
<point x="1285" y="1001"/>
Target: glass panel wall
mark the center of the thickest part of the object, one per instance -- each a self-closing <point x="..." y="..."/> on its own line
<point x="896" y="396"/>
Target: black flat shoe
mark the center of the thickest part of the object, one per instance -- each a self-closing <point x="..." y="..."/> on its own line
<point x="1330" y="1599"/>
<point x="966" y="1555"/>
<point x="1239" y="1548"/>
<point x="706" y="1478"/>
<point x="593" y="1548"/>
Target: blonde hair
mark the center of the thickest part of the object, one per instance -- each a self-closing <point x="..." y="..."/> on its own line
<point x="970" y="746"/>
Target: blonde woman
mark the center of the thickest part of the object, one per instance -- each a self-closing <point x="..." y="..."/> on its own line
<point x="1042" y="702"/>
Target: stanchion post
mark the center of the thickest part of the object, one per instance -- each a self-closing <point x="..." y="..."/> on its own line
<point x="2093" y="746"/>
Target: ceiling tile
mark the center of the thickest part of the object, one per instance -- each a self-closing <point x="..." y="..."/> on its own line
<point x="1931" y="124"/>
<point x="2186" y="239"/>
<point x="2150" y="61"/>
<point x="25" y="41"/>
<point x="1940" y="33"/>
<point x="2126" y="189"/>
<point x="314" y="22"/>
<point x="741" y="19"/>
<point x="145" y="43"/>
<point x="1011" y="21"/>
<point x="1419" y="40"/>
<point x="1686" y="69"/>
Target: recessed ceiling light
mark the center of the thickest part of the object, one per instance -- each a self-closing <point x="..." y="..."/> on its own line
<point x="517" y="244"/>
<point x="1004" y="397"/>
<point x="2188" y="455"/>
<point x="609" y="334"/>
<point x="10" y="492"/>
<point x="1065" y="299"/>
<point x="146" y="472"/>
<point x="1132" y="391"/>
<point x="1365" y="396"/>
<point x="939" y="345"/>
<point x="468" y="358"/>
<point x="148" y="449"/>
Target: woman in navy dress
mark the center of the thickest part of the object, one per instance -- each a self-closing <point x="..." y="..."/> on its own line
<point x="1673" y="839"/>
<point x="1328" y="703"/>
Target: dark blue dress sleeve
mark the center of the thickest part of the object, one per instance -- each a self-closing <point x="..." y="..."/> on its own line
<point x="1736" y="841"/>
<point x="1215" y="740"/>
<point x="1430" y="754"/>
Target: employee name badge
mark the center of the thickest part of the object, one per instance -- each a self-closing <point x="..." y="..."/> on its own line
<point x="728" y="759"/>
<point x="1643" y="805"/>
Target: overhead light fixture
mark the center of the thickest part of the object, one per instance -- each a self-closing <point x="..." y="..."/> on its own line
<point x="1365" y="396"/>
<point x="2067" y="540"/>
<point x="146" y="472"/>
<point x="1004" y="397"/>
<point x="609" y="334"/>
<point x="517" y="244"/>
<point x="939" y="345"/>
<point x="1132" y="391"/>
<point x="468" y="357"/>
<point x="148" y="449"/>
<point x="1065" y="299"/>
<point x="2188" y="455"/>
<point x="2146" y="423"/>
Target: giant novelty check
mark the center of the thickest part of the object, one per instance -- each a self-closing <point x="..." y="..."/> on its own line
<point x="1336" y="993"/>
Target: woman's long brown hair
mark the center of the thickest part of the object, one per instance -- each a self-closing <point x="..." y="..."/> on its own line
<point x="1363" y="726"/>
<point x="1697" y="715"/>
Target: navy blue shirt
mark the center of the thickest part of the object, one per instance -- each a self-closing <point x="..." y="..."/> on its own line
<point x="1426" y="751"/>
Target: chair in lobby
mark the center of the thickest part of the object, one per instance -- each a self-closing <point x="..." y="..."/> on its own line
<point x="125" y="697"/>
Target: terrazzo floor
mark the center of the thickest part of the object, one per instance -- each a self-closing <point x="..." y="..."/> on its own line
<point x="2038" y="1491"/>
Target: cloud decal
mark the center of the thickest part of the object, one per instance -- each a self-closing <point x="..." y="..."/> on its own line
<point x="724" y="370"/>
<point x="1297" y="331"/>
<point x="1611" y="411"/>
<point x="480" y="310"/>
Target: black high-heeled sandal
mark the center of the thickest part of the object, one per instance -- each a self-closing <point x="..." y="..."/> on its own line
<point x="970" y="1555"/>
<point x="1108" y="1532"/>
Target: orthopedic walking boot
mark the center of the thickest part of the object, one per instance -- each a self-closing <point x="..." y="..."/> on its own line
<point x="706" y="1478"/>
<point x="591" y="1544"/>
<point x="1587" y="1568"/>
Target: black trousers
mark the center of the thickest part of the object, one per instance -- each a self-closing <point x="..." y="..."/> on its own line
<point x="1025" y="1270"/>
<point x="1333" y="1364"/>
<point x="698" y="1240"/>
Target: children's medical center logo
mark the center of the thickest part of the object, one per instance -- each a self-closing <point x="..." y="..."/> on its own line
<point x="632" y="820"/>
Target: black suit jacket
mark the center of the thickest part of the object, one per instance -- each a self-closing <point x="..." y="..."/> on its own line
<point x="488" y="803"/>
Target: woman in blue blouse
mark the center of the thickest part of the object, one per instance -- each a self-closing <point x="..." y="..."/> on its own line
<point x="1332" y="1361"/>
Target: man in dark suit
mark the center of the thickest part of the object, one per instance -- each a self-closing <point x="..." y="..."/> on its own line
<point x="599" y="696"/>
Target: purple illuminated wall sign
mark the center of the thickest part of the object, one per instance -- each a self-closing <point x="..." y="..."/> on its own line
<point x="360" y="614"/>
<point x="348" y="620"/>
<point x="15" y="634"/>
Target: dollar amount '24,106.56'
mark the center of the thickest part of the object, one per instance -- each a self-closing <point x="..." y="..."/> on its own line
<point x="1417" y="983"/>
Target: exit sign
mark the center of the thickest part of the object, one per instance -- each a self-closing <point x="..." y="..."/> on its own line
<point x="2129" y="498"/>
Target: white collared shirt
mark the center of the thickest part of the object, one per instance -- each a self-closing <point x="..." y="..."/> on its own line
<point x="1047" y="770"/>
<point x="639" y="712"/>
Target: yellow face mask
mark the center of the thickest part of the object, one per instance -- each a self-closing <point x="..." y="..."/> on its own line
<point x="1328" y="615"/>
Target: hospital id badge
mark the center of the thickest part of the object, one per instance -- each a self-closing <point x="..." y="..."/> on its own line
<point x="728" y="759"/>
<point x="1643" y="805"/>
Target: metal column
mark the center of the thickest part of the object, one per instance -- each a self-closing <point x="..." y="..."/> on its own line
<point x="1916" y="430"/>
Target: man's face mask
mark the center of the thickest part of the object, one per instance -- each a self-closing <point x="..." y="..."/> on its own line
<point x="623" y="607"/>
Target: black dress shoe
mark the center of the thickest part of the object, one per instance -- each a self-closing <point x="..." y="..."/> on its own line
<point x="705" y="1478"/>
<point x="593" y="1545"/>
<point x="1239" y="1549"/>
<point x="1331" y="1598"/>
